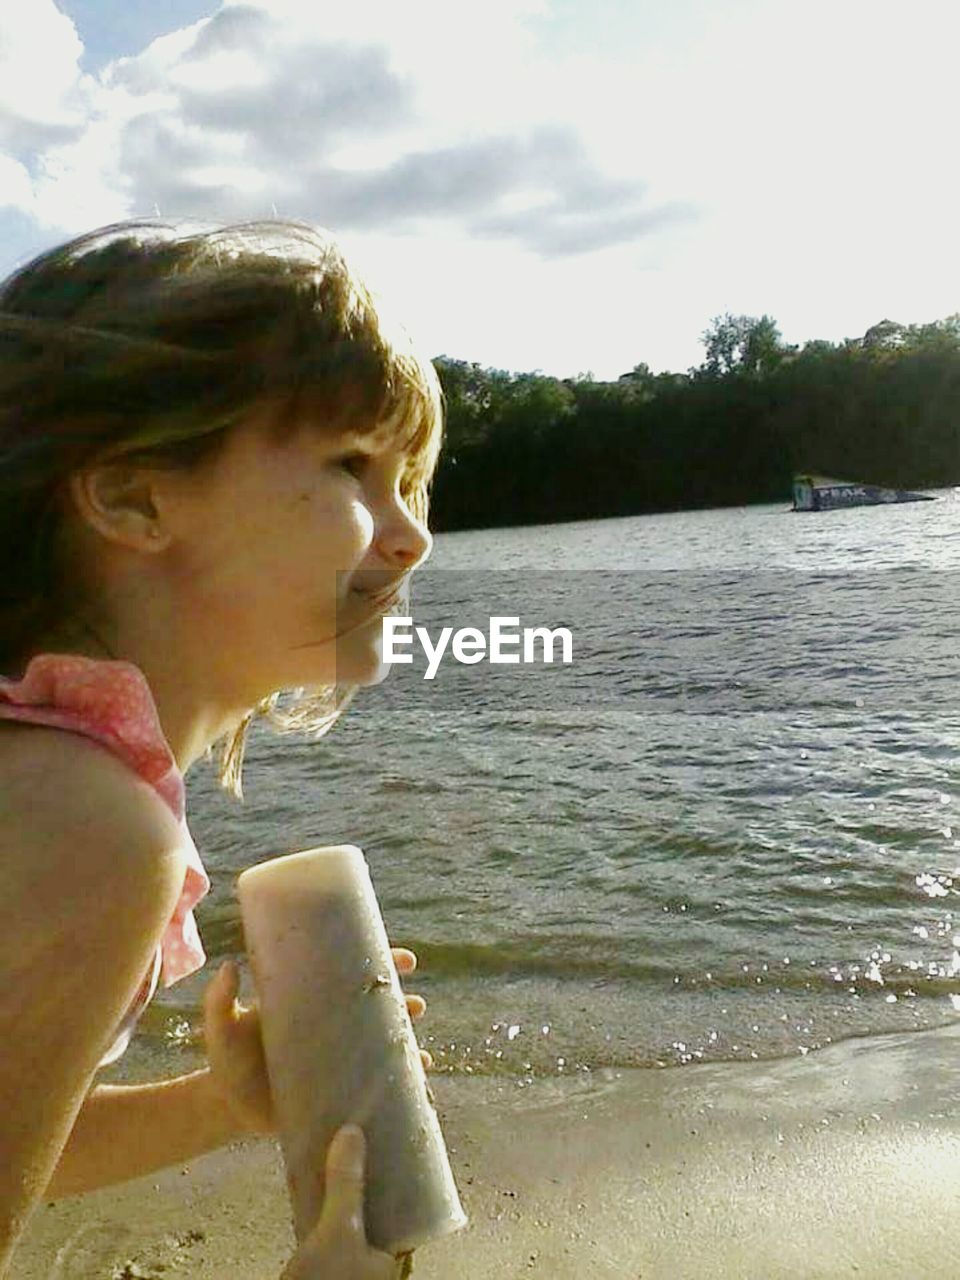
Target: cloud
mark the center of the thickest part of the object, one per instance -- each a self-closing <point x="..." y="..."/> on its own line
<point x="22" y="137"/>
<point x="40" y="82"/>
<point x="312" y="98"/>
<point x="231" y="29"/>
<point x="368" y="126"/>
<point x="557" y="232"/>
<point x="542" y="192"/>
<point x="15" y="189"/>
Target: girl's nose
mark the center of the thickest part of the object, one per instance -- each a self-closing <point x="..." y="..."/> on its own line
<point x="403" y="538"/>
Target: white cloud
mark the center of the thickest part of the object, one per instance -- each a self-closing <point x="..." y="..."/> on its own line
<point x="748" y="157"/>
<point x="16" y="189"/>
<point x="405" y="128"/>
<point x="41" y="87"/>
<point x="372" y="117"/>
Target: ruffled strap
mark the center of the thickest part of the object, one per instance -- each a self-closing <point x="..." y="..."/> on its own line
<point x="110" y="700"/>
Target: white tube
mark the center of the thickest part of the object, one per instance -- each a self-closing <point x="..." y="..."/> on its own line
<point x="340" y="1046"/>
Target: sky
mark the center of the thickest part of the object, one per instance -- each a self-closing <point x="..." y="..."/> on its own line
<point x="569" y="186"/>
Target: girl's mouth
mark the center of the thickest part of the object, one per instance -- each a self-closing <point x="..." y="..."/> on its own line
<point x="384" y="598"/>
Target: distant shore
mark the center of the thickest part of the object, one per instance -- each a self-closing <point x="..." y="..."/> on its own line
<point x="843" y="1162"/>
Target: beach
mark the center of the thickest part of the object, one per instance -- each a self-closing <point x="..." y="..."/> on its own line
<point x="687" y="935"/>
<point x="843" y="1161"/>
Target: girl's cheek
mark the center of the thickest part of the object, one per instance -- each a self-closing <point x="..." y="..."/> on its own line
<point x="362" y="524"/>
<point x="340" y="518"/>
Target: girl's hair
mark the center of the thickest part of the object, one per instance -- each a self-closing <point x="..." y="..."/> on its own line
<point x="150" y="340"/>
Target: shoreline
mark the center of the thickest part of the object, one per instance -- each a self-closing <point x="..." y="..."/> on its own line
<point x="842" y="1162"/>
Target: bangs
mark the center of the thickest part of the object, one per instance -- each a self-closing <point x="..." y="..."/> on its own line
<point x="404" y="406"/>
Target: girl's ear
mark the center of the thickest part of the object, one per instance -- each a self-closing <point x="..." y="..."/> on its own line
<point x="118" y="500"/>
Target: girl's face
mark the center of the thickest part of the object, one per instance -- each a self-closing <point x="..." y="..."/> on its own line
<point x="288" y="551"/>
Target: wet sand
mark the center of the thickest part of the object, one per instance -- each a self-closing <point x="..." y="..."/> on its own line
<point x="843" y="1162"/>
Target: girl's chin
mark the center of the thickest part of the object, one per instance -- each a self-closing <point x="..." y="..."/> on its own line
<point x="376" y="675"/>
<point x="363" y="667"/>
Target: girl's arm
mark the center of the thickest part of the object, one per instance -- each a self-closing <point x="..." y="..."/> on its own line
<point x="91" y="871"/>
<point x="124" y="1131"/>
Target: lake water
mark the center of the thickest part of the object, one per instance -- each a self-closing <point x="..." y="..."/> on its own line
<point x="728" y="829"/>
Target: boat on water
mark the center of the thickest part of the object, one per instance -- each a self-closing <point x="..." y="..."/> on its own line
<point x="820" y="493"/>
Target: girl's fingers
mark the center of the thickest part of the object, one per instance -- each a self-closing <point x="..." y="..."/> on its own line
<point x="221" y="991"/>
<point x="226" y="977"/>
<point x="426" y="1059"/>
<point x="404" y="959"/>
<point x="406" y="962"/>
<point x="416" y="1006"/>
<point x="344" y="1177"/>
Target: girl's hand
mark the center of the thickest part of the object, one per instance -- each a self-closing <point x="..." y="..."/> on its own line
<point x="238" y="1068"/>
<point x="338" y="1244"/>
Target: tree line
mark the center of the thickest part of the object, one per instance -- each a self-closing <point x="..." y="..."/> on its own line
<point x="526" y="448"/>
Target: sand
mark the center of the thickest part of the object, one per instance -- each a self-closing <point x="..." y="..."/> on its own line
<point x="845" y="1162"/>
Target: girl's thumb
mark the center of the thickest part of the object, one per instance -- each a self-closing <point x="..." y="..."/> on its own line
<point x="344" y="1173"/>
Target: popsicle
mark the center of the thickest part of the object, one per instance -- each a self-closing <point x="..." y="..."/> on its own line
<point x="340" y="1046"/>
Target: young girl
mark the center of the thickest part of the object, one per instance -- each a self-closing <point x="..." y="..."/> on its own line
<point x="214" y="464"/>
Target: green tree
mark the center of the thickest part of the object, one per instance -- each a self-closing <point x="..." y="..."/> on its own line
<point x="887" y="335"/>
<point x="742" y="344"/>
<point x="523" y="447"/>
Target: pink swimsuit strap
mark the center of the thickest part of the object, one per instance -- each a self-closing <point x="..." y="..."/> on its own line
<point x="111" y="702"/>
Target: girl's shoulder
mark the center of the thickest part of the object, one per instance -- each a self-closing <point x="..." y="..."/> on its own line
<point x="59" y="788"/>
<point x="91" y="870"/>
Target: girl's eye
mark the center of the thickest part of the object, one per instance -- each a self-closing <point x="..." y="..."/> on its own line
<point x="354" y="462"/>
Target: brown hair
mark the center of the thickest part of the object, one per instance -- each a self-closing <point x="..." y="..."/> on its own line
<point x="150" y="340"/>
